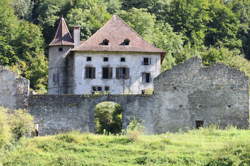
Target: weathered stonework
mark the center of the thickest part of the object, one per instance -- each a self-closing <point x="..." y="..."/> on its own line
<point x="182" y="96"/>
<point x="189" y="92"/>
<point x="14" y="90"/>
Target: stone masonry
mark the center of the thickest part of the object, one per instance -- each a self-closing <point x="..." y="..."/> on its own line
<point x="14" y="90"/>
<point x="184" y="95"/>
<point x="188" y="94"/>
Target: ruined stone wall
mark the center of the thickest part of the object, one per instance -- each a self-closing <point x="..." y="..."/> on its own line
<point x="61" y="113"/>
<point x="189" y="92"/>
<point x="14" y="90"/>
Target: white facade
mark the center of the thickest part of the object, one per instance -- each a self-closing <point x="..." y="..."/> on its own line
<point x="134" y="61"/>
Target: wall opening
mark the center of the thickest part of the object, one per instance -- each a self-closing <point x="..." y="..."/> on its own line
<point x="108" y="118"/>
<point x="199" y="124"/>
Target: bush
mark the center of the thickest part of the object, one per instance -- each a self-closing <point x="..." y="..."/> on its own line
<point x="21" y="123"/>
<point x="5" y="134"/>
<point x="14" y="124"/>
<point x="108" y="118"/>
<point x="134" y="130"/>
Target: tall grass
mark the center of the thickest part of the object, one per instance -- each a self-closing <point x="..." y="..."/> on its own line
<point x="203" y="147"/>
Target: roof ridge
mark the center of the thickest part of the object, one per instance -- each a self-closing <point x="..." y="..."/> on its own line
<point x="116" y="30"/>
<point x="135" y="32"/>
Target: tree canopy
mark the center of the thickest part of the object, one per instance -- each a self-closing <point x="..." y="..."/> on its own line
<point x="215" y="30"/>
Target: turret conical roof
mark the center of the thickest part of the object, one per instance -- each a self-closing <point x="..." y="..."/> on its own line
<point x="62" y="36"/>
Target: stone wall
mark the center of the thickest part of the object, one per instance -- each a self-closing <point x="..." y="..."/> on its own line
<point x="183" y="96"/>
<point x="61" y="113"/>
<point x="188" y="93"/>
<point x="14" y="90"/>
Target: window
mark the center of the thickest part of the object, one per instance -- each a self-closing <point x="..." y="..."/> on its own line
<point x="146" y="61"/>
<point x="107" y="73"/>
<point x="105" y="42"/>
<point x="105" y="59"/>
<point x="60" y="49"/>
<point x="122" y="73"/>
<point x="55" y="77"/>
<point x="123" y="59"/>
<point x="125" y="42"/>
<point x="199" y="124"/>
<point x="89" y="72"/>
<point x="106" y="88"/>
<point x="96" y="88"/>
<point x="146" y="77"/>
<point x="89" y="58"/>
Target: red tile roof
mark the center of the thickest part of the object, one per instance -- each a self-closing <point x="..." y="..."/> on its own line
<point x="62" y="36"/>
<point x="116" y="31"/>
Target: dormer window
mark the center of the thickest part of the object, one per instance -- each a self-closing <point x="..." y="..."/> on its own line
<point x="60" y="49"/>
<point x="105" y="42"/>
<point x="125" y="42"/>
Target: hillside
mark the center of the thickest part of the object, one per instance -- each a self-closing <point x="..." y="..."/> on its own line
<point x="216" y="31"/>
<point x="209" y="147"/>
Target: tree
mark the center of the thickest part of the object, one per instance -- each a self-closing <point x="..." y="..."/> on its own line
<point x="223" y="27"/>
<point x="140" y="20"/>
<point x="23" y="8"/>
<point x="8" y="26"/>
<point x="90" y="15"/>
<point x="241" y="9"/>
<point x="159" y="34"/>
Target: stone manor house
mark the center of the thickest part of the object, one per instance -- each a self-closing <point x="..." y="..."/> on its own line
<point x="115" y="60"/>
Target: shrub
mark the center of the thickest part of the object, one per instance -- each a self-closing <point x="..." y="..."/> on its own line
<point x="5" y="134"/>
<point x="134" y="130"/>
<point x="21" y="123"/>
<point x="108" y="118"/>
<point x="221" y="162"/>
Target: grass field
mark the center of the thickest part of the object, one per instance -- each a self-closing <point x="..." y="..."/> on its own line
<point x="210" y="147"/>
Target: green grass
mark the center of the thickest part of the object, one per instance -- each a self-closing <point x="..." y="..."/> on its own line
<point x="210" y="147"/>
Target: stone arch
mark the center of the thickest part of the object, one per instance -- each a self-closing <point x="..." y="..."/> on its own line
<point x="108" y="117"/>
<point x="121" y="100"/>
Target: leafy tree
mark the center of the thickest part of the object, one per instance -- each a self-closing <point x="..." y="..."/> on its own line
<point x="8" y="25"/>
<point x="46" y="13"/>
<point x="163" y="37"/>
<point x="223" y="27"/>
<point x="90" y="15"/>
<point x="188" y="17"/>
<point x="213" y="55"/>
<point x="140" y="20"/>
<point x="21" y="46"/>
<point x="159" y="34"/>
<point x="113" y="6"/>
<point x="241" y="8"/>
<point x="23" y="8"/>
<point x="29" y="48"/>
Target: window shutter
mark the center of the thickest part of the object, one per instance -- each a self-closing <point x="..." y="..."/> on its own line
<point x="143" y="77"/>
<point x="117" y="73"/>
<point x="93" y="72"/>
<point x="86" y="72"/>
<point x="110" y="74"/>
<point x="127" y="73"/>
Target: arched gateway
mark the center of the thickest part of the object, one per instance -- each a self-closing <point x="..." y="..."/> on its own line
<point x="184" y="96"/>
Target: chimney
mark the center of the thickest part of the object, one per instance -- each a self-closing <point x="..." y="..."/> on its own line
<point x="77" y="32"/>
